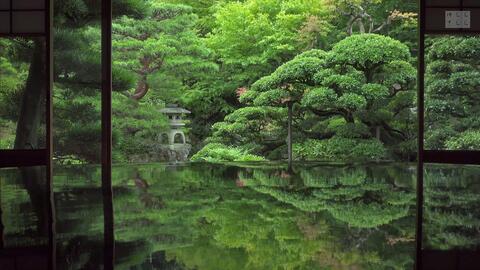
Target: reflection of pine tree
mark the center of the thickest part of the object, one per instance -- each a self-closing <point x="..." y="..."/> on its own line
<point x="350" y="195"/>
<point x="365" y="206"/>
<point x="452" y="203"/>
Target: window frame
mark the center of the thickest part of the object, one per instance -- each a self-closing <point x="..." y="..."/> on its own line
<point x="456" y="157"/>
<point x="43" y="157"/>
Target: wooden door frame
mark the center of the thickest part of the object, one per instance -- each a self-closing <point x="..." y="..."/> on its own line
<point x="457" y="157"/>
<point x="44" y="157"/>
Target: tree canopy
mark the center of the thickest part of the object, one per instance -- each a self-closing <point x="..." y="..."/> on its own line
<point x="340" y="73"/>
<point x="359" y="94"/>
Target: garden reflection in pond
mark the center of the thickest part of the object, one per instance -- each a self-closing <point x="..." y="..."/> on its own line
<point x="258" y="216"/>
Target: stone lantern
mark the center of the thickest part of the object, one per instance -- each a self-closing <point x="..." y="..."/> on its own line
<point x="175" y="136"/>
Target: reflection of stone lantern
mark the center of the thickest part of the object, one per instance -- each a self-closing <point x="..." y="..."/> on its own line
<point x="175" y="135"/>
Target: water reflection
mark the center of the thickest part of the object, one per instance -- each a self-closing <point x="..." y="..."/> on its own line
<point x="25" y="221"/>
<point x="204" y="216"/>
<point x="452" y="207"/>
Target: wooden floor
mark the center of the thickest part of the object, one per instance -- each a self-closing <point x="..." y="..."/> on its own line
<point x="31" y="258"/>
<point x="451" y="260"/>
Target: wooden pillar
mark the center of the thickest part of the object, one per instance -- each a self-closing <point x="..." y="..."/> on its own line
<point x="107" y="192"/>
<point x="420" y="135"/>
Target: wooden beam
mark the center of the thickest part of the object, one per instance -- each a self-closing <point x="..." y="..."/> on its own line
<point x="108" y="215"/>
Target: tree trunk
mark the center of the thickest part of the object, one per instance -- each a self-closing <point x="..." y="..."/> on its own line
<point x="33" y="103"/>
<point x="349" y="117"/>
<point x="32" y="112"/>
<point x="289" y="137"/>
<point x="361" y="26"/>
<point x="141" y="89"/>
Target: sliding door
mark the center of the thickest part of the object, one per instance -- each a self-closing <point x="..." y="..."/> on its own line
<point x="449" y="163"/>
<point x="26" y="202"/>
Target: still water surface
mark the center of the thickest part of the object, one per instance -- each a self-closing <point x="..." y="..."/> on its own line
<point x="240" y="216"/>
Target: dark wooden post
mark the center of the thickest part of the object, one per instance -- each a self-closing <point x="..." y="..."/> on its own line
<point x="107" y="192"/>
<point x="1" y="223"/>
<point x="52" y="243"/>
<point x="421" y="117"/>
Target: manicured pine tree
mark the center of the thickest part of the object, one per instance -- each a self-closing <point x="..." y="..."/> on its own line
<point x="163" y="50"/>
<point x="286" y="86"/>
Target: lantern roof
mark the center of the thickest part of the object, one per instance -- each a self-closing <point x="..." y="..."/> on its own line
<point x="174" y="109"/>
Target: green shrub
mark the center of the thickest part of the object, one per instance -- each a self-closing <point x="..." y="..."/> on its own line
<point x="7" y="134"/>
<point x="217" y="152"/>
<point x="468" y="140"/>
<point x="340" y="149"/>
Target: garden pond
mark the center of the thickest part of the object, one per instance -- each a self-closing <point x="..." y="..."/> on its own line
<point x="248" y="216"/>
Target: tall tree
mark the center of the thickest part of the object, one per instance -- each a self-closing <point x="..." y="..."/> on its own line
<point x="71" y="14"/>
<point x="77" y="77"/>
<point x="368" y="82"/>
<point x="352" y="101"/>
<point x="285" y="87"/>
<point x="255" y="36"/>
<point x="163" y="47"/>
<point x="250" y="39"/>
<point x="33" y="102"/>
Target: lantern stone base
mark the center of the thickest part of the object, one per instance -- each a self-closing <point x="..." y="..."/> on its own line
<point x="164" y="153"/>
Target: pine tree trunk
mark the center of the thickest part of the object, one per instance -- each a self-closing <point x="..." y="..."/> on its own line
<point x="32" y="112"/>
<point x="141" y="90"/>
<point x="33" y="103"/>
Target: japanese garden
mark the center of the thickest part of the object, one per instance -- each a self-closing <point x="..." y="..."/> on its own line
<point x="247" y="134"/>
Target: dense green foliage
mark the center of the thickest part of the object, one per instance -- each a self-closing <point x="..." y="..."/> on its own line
<point x="162" y="50"/>
<point x="452" y="86"/>
<point x="357" y="96"/>
<point x="344" y="69"/>
<point x="12" y="74"/>
<point x="215" y="152"/>
<point x="237" y="65"/>
<point x="320" y="29"/>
